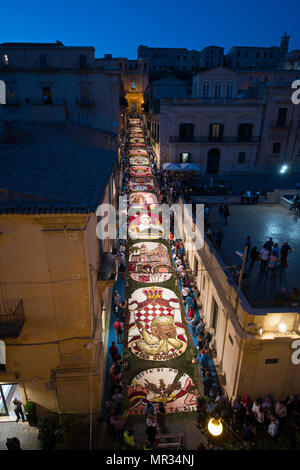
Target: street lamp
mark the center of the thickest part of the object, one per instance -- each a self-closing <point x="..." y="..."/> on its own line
<point x="283" y="171"/>
<point x="215" y="427"/>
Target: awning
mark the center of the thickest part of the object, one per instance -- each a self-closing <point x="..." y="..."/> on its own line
<point x="190" y="167"/>
<point x="171" y="166"/>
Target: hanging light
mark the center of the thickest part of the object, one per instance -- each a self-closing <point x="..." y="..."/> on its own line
<point x="215" y="427"/>
<point x="282" y="327"/>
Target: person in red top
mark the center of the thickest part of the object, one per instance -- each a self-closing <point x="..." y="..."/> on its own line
<point x="113" y="351"/>
<point x="119" y="330"/>
<point x="191" y="314"/>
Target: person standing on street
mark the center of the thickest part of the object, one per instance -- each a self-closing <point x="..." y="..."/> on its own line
<point x="18" y="410"/>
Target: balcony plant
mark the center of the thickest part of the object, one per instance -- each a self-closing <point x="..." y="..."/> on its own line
<point x="30" y="412"/>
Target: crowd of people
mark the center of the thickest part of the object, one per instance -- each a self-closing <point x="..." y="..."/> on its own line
<point x="252" y="419"/>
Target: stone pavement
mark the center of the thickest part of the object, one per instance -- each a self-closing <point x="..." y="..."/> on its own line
<point x="267" y="182"/>
<point x="261" y="222"/>
<point x="26" y="434"/>
<point x="175" y="425"/>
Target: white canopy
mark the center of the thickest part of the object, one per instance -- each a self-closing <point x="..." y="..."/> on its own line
<point x="172" y="166"/>
<point x="190" y="167"/>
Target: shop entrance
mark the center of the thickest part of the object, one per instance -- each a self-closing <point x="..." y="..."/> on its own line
<point x="7" y="393"/>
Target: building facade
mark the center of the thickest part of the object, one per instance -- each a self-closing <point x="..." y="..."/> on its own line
<point x="229" y="123"/>
<point x="253" y="345"/>
<point x="53" y="82"/>
<point x="56" y="275"/>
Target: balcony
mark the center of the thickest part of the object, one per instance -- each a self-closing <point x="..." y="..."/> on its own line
<point x="217" y="140"/>
<point x="12" y="318"/>
<point x="281" y="124"/>
<point x="43" y="102"/>
<point x="85" y="102"/>
<point x="12" y="101"/>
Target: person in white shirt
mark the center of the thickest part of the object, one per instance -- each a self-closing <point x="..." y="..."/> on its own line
<point x="264" y="258"/>
<point x="255" y="407"/>
<point x="273" y="426"/>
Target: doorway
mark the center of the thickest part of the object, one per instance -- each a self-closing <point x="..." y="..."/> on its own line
<point x="7" y="393"/>
<point x="213" y="161"/>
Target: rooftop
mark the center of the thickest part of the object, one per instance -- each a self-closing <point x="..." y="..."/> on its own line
<point x="61" y="175"/>
<point x="261" y="222"/>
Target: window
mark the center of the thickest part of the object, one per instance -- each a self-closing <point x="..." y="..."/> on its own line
<point x="206" y="89"/>
<point x="84" y="93"/>
<point x="203" y="283"/>
<point x="242" y="157"/>
<point x="281" y="116"/>
<point x="82" y="61"/>
<point x="245" y="132"/>
<point x="276" y="147"/>
<point x="196" y="267"/>
<point x="5" y="59"/>
<point x="185" y="157"/>
<point x="229" y="91"/>
<point x="216" y="131"/>
<point x="230" y="339"/>
<point x="133" y="85"/>
<point x="218" y="89"/>
<point x="186" y="132"/>
<point x="47" y="99"/>
<point x="43" y="60"/>
<point x="271" y="361"/>
<point x="215" y="314"/>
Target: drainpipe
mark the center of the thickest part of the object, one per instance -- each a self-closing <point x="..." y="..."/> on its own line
<point x="237" y="368"/>
<point x="223" y="347"/>
<point x="53" y="372"/>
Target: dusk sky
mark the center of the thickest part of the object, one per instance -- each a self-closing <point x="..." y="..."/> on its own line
<point x="119" y="27"/>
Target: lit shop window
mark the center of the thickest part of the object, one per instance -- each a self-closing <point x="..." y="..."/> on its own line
<point x="185" y="157"/>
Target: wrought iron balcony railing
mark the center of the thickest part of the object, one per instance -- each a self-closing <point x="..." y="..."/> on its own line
<point x="12" y="319"/>
<point x="282" y="124"/>
<point x="224" y="140"/>
<point x="85" y="102"/>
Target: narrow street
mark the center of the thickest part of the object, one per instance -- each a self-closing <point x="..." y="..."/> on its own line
<point x="159" y="345"/>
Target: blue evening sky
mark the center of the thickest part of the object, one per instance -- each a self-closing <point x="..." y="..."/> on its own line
<point x="119" y="27"/>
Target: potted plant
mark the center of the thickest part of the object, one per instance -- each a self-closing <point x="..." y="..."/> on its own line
<point x="30" y="412"/>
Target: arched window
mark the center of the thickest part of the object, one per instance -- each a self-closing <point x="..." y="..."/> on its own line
<point x="213" y="161"/>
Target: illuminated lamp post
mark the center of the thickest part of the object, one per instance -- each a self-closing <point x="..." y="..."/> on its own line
<point x="215" y="427"/>
<point x="283" y="171"/>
